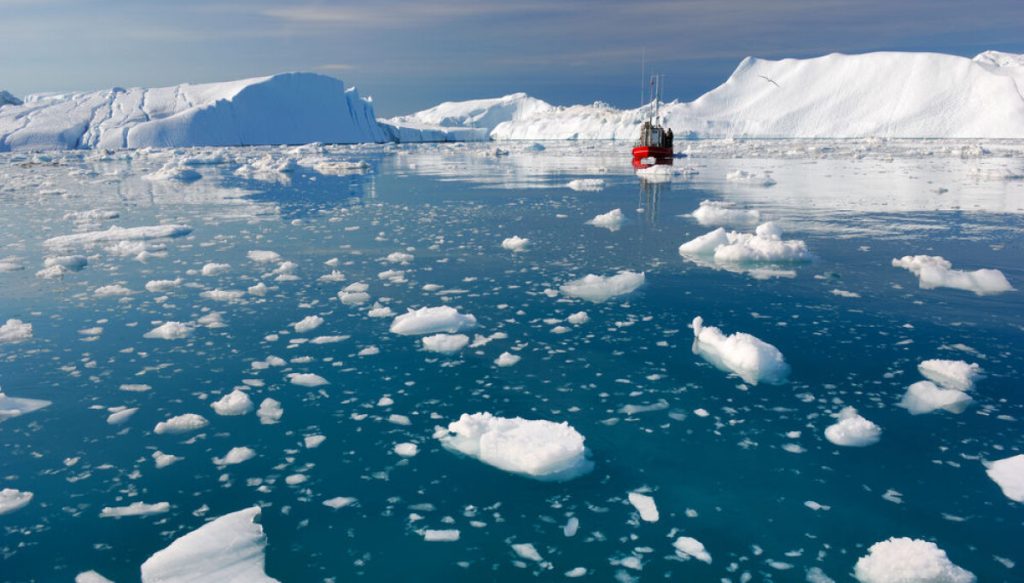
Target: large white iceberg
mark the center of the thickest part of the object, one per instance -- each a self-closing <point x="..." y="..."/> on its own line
<point x="290" y="108"/>
<point x="749" y="357"/>
<point x="907" y="560"/>
<point x="925" y="397"/>
<point x="539" y="449"/>
<point x="229" y="549"/>
<point x="852" y="430"/>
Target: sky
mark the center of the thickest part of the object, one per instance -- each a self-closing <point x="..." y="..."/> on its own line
<point x="412" y="54"/>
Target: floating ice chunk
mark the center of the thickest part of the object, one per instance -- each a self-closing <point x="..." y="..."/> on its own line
<point x="528" y="552"/>
<point x="907" y="560"/>
<point x="431" y="321"/>
<point x="223" y="295"/>
<point x="91" y="577"/>
<point x="259" y="256"/>
<point x="688" y="547"/>
<point x="313" y="441"/>
<point x="852" y="430"/>
<point x="598" y="288"/>
<point x="1008" y="473"/>
<point x="354" y="294"/>
<point x="515" y="244"/>
<point x="586" y="184"/>
<point x="656" y="173"/>
<point x="751" y="358"/>
<point x="766" y="245"/>
<point x="445" y="343"/>
<point x="369" y="351"/>
<point x="170" y="331"/>
<point x="339" y="502"/>
<point x="229" y="549"/>
<point x="162" y="285"/>
<point x="379" y="311"/>
<point x="115" y="234"/>
<point x="645" y="505"/>
<point x="578" y="319"/>
<point x="925" y="397"/>
<point x="9" y="264"/>
<point x="507" y="359"/>
<point x="306" y="379"/>
<point x="135" y="509"/>
<point x="162" y="460"/>
<point x="211" y="269"/>
<point x="296" y="479"/>
<point x="611" y="220"/>
<point x="107" y="291"/>
<point x="12" y="499"/>
<point x="181" y="424"/>
<point x="270" y="411"/>
<point x="55" y="267"/>
<point x="334" y="276"/>
<point x="212" y="320"/>
<point x="234" y="403"/>
<point x="174" y="171"/>
<point x="407" y="449"/>
<point x="235" y="455"/>
<point x="121" y="415"/>
<point x="745" y="177"/>
<point x="933" y="272"/>
<point x="135" y="388"/>
<point x="15" y="331"/>
<point x="950" y="374"/>
<point x="307" y="324"/>
<point x="535" y="448"/>
<point x="718" y="213"/>
<point x="260" y="289"/>
<point x="399" y="257"/>
<point x="441" y="536"/>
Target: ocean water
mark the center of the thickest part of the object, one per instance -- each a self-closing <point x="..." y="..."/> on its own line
<point x="731" y="464"/>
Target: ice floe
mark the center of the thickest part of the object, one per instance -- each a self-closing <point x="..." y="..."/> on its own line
<point x="586" y="184"/>
<point x="600" y="288"/>
<point x="270" y="411"/>
<point x="236" y="402"/>
<point x="749" y="357"/>
<point x="515" y="244"/>
<point x="690" y="548"/>
<point x="15" y="330"/>
<point x="853" y="430"/>
<point x="745" y="177"/>
<point x="135" y="509"/>
<point x="717" y="213"/>
<point x="645" y="505"/>
<point x="907" y="560"/>
<point x="235" y="455"/>
<point x="765" y="245"/>
<point x="445" y="343"/>
<point x="170" y="331"/>
<point x="307" y="324"/>
<point x="1008" y="473"/>
<point x="611" y="220"/>
<point x="950" y="374"/>
<point x="934" y="272"/>
<point x="925" y="397"/>
<point x="12" y="499"/>
<point x="539" y="449"/>
<point x="115" y="234"/>
<point x="306" y="379"/>
<point x="181" y="424"/>
<point x="229" y="549"/>
<point x="432" y="321"/>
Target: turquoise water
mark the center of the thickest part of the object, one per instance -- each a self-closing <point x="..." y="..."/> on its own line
<point x="724" y="478"/>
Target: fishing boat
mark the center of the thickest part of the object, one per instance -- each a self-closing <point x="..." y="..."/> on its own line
<point x="655" y="143"/>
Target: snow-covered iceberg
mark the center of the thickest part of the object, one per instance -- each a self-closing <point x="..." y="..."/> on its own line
<point x="749" y="357"/>
<point x="464" y="120"/>
<point x="290" y="108"/>
<point x="226" y="550"/>
<point x="882" y="94"/>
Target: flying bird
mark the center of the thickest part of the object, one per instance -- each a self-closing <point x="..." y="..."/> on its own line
<point x="772" y="81"/>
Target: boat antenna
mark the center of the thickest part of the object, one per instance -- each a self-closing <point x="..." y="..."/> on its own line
<point x="643" y="74"/>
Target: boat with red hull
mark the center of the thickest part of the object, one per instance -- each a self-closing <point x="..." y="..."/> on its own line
<point x="655" y="143"/>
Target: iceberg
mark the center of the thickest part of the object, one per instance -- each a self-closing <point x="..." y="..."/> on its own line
<point x="933" y="271"/>
<point x="289" y="108"/>
<point x="907" y="560"/>
<point x="749" y="357"/>
<point x="600" y="288"/>
<point x="432" y="321"/>
<point x="230" y="549"/>
<point x="539" y="449"/>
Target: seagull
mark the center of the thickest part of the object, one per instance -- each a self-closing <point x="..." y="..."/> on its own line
<point x="772" y="81"/>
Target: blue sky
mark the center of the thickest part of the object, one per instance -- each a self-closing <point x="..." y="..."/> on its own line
<point x="411" y="54"/>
